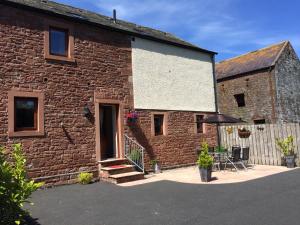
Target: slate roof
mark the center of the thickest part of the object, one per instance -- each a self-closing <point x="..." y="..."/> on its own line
<point x="252" y="61"/>
<point x="81" y="15"/>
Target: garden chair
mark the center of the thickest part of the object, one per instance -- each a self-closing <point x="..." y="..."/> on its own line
<point x="216" y="163"/>
<point x="235" y="158"/>
<point x="245" y="155"/>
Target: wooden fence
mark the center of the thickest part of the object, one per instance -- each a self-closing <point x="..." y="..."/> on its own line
<point x="262" y="145"/>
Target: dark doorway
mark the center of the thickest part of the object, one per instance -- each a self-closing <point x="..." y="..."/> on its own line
<point x="108" y="131"/>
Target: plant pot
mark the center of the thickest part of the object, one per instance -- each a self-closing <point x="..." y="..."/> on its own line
<point x="244" y="134"/>
<point x="290" y="161"/>
<point x="156" y="168"/>
<point x="282" y="161"/>
<point x="205" y="174"/>
<point x="130" y="123"/>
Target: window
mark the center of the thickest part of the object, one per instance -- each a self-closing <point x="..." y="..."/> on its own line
<point x="240" y="100"/>
<point x="25" y="114"/>
<point x="159" y="121"/>
<point x="158" y="125"/>
<point x="260" y="121"/>
<point x="199" y="124"/>
<point x="58" y="41"/>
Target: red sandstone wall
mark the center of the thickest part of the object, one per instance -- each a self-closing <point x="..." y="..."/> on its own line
<point x="103" y="64"/>
<point x="178" y="147"/>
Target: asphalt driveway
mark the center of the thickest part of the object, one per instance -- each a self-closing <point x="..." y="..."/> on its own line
<point x="271" y="200"/>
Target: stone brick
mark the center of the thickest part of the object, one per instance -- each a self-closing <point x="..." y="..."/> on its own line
<point x="258" y="88"/>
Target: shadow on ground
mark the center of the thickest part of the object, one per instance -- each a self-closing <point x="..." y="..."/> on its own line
<point x="31" y="221"/>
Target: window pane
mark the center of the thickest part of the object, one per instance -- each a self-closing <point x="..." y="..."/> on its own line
<point x="199" y="118"/>
<point x="58" y="42"/>
<point x="158" y="124"/>
<point x="25" y="113"/>
<point x="262" y="121"/>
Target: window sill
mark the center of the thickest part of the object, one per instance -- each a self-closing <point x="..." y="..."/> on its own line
<point x="26" y="133"/>
<point x="157" y="136"/>
<point x="60" y="58"/>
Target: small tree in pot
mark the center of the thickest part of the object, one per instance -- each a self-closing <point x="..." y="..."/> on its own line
<point x="205" y="162"/>
<point x="155" y="166"/>
<point x="287" y="147"/>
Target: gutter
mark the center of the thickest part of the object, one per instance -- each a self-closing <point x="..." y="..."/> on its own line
<point x="249" y="73"/>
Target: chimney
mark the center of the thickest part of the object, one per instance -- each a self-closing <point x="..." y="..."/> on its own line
<point x="115" y="16"/>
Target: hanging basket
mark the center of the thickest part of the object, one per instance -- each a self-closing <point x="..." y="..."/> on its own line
<point x="131" y="118"/>
<point x="243" y="133"/>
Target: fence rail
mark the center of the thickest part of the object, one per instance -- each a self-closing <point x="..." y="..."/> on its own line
<point x="262" y="145"/>
<point x="134" y="152"/>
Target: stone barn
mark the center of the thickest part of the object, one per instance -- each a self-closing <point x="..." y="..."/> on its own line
<point x="262" y="86"/>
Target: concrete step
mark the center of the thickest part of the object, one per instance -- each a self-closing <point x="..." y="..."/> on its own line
<point x="112" y="162"/>
<point x="116" y="169"/>
<point x="125" y="177"/>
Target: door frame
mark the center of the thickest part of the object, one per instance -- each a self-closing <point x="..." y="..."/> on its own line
<point x="119" y="126"/>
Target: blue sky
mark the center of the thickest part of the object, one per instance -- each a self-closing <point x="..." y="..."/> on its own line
<point x="230" y="27"/>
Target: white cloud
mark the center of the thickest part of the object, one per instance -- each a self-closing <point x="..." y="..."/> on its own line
<point x="209" y="24"/>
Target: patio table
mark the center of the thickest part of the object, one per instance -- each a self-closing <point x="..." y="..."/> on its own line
<point x="222" y="157"/>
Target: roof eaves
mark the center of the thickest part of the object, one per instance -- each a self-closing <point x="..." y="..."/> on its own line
<point x="122" y="30"/>
<point x="248" y="73"/>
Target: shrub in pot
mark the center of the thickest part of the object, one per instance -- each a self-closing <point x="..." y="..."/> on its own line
<point x="205" y="162"/>
<point x="287" y="147"/>
<point x="155" y="166"/>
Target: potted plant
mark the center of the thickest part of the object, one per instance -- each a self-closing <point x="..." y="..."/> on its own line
<point x="287" y="147"/>
<point x="221" y="149"/>
<point x="205" y="162"/>
<point x="155" y="166"/>
<point x="244" y="133"/>
<point x="132" y="117"/>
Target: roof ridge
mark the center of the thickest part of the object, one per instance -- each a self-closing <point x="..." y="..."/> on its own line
<point x="260" y="49"/>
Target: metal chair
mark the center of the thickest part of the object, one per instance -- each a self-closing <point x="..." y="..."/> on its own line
<point x="216" y="163"/>
<point x="245" y="155"/>
<point x="235" y="158"/>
